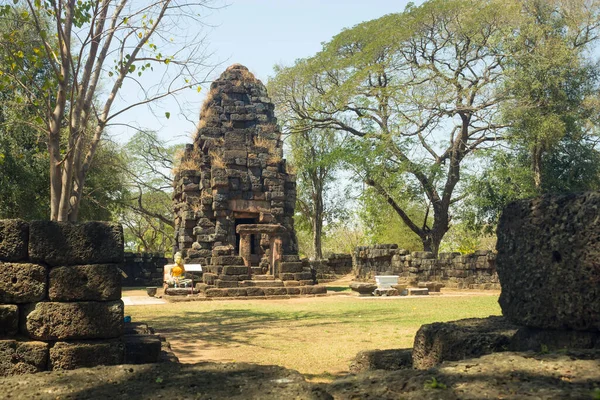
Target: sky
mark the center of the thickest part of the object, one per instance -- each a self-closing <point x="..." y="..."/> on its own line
<point x="258" y="34"/>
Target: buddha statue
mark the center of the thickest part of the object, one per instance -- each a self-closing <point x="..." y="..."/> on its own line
<point x="176" y="273"/>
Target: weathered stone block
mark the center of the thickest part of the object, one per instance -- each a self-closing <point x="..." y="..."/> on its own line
<point x="275" y="291"/>
<point x="303" y="276"/>
<point x="22" y="357"/>
<point x="389" y="360"/>
<point x="22" y="283"/>
<point x="293" y="291"/>
<point x="84" y="354"/>
<point x="226" y="283"/>
<point x="179" y="291"/>
<point x="235" y="270"/>
<point x="142" y="349"/>
<point x="286" y="276"/>
<point x="255" y="291"/>
<point x="9" y="320"/>
<point x="209" y="278"/>
<point x="228" y="260"/>
<point x="536" y="339"/>
<point x="63" y="243"/>
<point x="236" y="292"/>
<point x="14" y="236"/>
<point x="216" y="292"/>
<point x="100" y="282"/>
<point x="547" y="262"/>
<point x="65" y="321"/>
<point x="457" y="340"/>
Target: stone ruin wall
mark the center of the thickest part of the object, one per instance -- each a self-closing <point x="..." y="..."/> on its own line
<point x="454" y="270"/>
<point x="60" y="300"/>
<point x="60" y="296"/>
<point x="333" y="267"/>
<point x="144" y="269"/>
<point x="234" y="171"/>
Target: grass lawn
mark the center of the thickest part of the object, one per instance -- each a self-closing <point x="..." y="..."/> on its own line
<point x="316" y="336"/>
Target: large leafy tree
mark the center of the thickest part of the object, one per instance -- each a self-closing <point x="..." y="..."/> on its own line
<point x="423" y="90"/>
<point x="317" y="157"/>
<point x="94" y="51"/>
<point x="24" y="174"/>
<point x="553" y="84"/>
<point x="420" y="88"/>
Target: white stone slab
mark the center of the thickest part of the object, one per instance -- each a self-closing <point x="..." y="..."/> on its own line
<point x="141" y="300"/>
<point x="386" y="281"/>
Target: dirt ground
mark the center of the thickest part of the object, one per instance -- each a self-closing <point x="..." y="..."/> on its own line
<point x="563" y="375"/>
<point x="508" y="375"/>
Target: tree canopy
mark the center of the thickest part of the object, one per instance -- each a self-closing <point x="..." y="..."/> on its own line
<point x="424" y="90"/>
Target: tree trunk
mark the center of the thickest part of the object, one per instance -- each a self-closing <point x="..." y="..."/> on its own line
<point x="55" y="176"/>
<point x="536" y="164"/>
<point x="318" y="225"/>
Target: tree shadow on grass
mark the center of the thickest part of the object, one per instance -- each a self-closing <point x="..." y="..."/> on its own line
<point x="229" y="327"/>
<point x="197" y="330"/>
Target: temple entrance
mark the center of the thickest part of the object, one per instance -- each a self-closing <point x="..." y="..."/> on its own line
<point x="253" y="242"/>
<point x="273" y="232"/>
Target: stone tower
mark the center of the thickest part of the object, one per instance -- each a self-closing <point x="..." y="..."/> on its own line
<point x="234" y="199"/>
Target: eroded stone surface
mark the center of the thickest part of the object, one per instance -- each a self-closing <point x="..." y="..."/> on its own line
<point x="22" y="357"/>
<point x="14" y="234"/>
<point x="77" y="320"/>
<point x="63" y="243"/>
<point x="22" y="282"/>
<point x="457" y="340"/>
<point x="142" y="349"/>
<point x="82" y="354"/>
<point x="548" y="262"/>
<point x="390" y="360"/>
<point x="100" y="282"/>
<point x="543" y="340"/>
<point x="9" y="320"/>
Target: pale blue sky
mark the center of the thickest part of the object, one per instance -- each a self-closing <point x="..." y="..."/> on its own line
<point x="260" y="34"/>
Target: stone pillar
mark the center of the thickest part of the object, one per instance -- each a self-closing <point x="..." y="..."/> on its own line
<point x="245" y="248"/>
<point x="275" y="256"/>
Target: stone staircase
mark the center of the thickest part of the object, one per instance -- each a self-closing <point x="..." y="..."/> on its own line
<point x="237" y="280"/>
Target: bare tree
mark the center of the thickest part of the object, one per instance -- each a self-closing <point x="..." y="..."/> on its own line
<point x="96" y="50"/>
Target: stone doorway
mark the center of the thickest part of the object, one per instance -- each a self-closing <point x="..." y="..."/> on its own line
<point x="254" y="251"/>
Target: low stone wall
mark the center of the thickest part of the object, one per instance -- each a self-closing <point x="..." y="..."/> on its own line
<point x="472" y="271"/>
<point x="333" y="267"/>
<point x="60" y="296"/>
<point x="144" y="269"/>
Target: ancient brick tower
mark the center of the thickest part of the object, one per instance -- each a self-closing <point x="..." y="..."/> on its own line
<point x="234" y="199"/>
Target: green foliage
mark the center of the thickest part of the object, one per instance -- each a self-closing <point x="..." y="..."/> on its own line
<point x="552" y="83"/>
<point x="106" y="185"/>
<point x="570" y="166"/>
<point x="383" y="225"/>
<point x="433" y="383"/>
<point x="55" y="56"/>
<point x="23" y="168"/>
<point x="316" y="156"/>
<point x="423" y="90"/>
<point x="415" y="89"/>
<point x="146" y="212"/>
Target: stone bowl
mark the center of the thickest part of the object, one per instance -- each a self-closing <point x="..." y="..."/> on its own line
<point x="363" y="288"/>
<point x="151" y="291"/>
